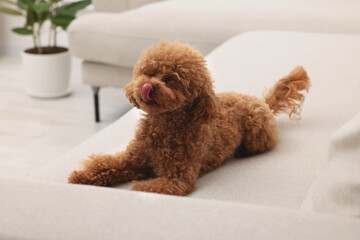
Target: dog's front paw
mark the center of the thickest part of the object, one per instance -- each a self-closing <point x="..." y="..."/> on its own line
<point x="91" y="178"/>
<point x="78" y="177"/>
<point x="164" y="186"/>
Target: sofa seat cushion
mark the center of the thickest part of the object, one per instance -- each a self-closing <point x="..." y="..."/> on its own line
<point x="249" y="63"/>
<point x="252" y="62"/>
<point x="118" y="38"/>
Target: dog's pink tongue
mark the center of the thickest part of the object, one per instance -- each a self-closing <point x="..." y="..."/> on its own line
<point x="145" y="92"/>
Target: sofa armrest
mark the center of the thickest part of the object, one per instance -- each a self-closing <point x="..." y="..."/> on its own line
<point x="119" y="5"/>
<point x="38" y="210"/>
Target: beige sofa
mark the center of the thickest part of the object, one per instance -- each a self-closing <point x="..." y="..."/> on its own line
<point x="111" y="39"/>
<point x="306" y="188"/>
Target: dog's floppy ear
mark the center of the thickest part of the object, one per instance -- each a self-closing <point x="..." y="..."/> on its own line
<point x="129" y="92"/>
<point x="205" y="105"/>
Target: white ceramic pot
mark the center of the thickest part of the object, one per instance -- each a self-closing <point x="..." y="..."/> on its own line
<point x="47" y="75"/>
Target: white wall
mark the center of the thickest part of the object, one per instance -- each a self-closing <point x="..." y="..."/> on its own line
<point x="10" y="42"/>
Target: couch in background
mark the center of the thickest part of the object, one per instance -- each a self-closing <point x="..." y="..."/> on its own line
<point x="111" y="39"/>
<point x="306" y="188"/>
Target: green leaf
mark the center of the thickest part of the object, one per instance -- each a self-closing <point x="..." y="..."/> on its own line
<point x="42" y="7"/>
<point x="24" y="4"/>
<point x="9" y="2"/>
<point x="10" y="11"/>
<point x="55" y="1"/>
<point x="62" y="20"/>
<point x="30" y="17"/>
<point x="72" y="8"/>
<point x="22" y="31"/>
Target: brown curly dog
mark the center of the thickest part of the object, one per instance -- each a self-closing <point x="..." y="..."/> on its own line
<point x="188" y="130"/>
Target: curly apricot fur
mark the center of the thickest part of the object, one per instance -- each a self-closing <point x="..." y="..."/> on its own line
<point x="188" y="130"/>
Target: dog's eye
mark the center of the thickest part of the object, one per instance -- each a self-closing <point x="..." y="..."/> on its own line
<point x="167" y="79"/>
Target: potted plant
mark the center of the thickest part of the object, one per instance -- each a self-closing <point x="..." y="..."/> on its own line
<point x="47" y="66"/>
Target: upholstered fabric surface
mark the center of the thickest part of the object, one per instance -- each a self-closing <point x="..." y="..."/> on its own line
<point x="119" y="5"/>
<point x="337" y="189"/>
<point x="118" y="38"/>
<point x="104" y="75"/>
<point x="38" y="210"/>
<point x="331" y="61"/>
<point x="250" y="63"/>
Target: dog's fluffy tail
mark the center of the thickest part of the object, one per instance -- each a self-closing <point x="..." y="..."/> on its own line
<point x="285" y="96"/>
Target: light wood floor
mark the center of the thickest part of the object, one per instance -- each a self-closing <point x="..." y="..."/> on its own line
<point x="35" y="131"/>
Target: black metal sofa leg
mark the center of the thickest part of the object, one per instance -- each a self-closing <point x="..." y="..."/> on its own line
<point x="96" y="103"/>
